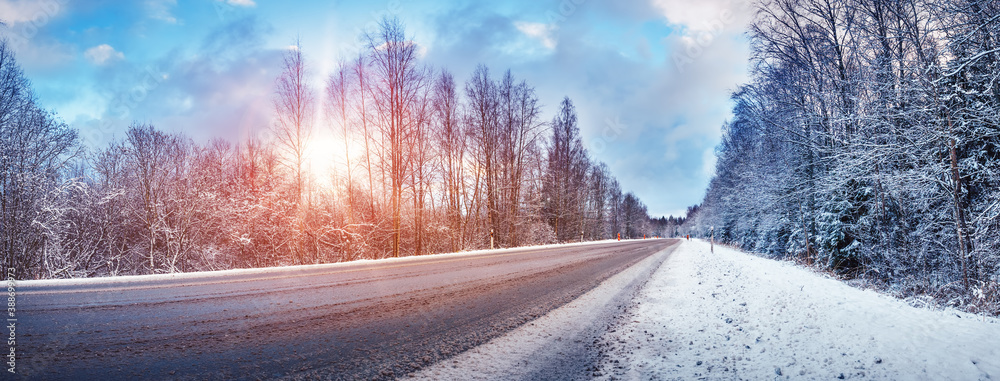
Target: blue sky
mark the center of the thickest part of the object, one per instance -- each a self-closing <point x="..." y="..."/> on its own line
<point x="650" y="78"/>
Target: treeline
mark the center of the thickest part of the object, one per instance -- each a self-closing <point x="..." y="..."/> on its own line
<point x="428" y="165"/>
<point x="868" y="142"/>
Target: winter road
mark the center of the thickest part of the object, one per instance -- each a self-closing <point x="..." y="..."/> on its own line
<point x="361" y="320"/>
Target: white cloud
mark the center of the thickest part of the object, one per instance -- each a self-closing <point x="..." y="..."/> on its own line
<point x="539" y="31"/>
<point x="21" y="11"/>
<point x="712" y="16"/>
<point x="241" y="3"/>
<point x="232" y="8"/>
<point x="16" y="11"/>
<point x="161" y="10"/>
<point x="103" y="54"/>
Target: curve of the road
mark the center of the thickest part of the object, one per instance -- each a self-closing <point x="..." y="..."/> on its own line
<point x="369" y="320"/>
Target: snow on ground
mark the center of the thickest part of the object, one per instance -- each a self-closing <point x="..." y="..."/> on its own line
<point x="730" y="315"/>
<point x="557" y="345"/>
<point x="201" y="275"/>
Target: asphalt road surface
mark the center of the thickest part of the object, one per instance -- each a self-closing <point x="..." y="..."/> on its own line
<point x="367" y="320"/>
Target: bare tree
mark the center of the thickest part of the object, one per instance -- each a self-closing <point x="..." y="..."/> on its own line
<point x="567" y="169"/>
<point x="484" y="121"/>
<point x="452" y="146"/>
<point x="396" y="91"/>
<point x="148" y="152"/>
<point x="293" y="105"/>
<point x="34" y="150"/>
<point x="523" y="131"/>
<point x="360" y="70"/>
<point x="419" y="157"/>
<point x="338" y="89"/>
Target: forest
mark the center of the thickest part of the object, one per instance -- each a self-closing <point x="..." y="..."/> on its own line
<point x="428" y="165"/>
<point x="867" y="143"/>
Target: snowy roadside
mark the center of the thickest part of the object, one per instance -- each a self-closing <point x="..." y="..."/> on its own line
<point x="730" y="315"/>
<point x="124" y="280"/>
<point x="557" y="345"/>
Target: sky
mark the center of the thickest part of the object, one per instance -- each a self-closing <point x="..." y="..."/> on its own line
<point x="650" y="78"/>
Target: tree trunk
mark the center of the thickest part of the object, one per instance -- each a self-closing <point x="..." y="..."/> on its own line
<point x="959" y="211"/>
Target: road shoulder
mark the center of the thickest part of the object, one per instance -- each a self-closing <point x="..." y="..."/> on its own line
<point x="558" y="345"/>
<point x="730" y="315"/>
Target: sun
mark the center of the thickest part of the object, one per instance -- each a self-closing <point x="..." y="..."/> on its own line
<point x="325" y="158"/>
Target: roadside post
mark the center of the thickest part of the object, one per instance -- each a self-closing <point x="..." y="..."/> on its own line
<point x="712" y="247"/>
<point x="491" y="239"/>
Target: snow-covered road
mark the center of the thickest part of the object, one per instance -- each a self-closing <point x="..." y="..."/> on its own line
<point x="729" y="315"/>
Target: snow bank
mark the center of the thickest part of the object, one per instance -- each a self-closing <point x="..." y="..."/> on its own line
<point x="203" y="275"/>
<point x="730" y="315"/>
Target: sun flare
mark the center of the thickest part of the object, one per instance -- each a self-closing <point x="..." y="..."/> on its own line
<point x="325" y="158"/>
